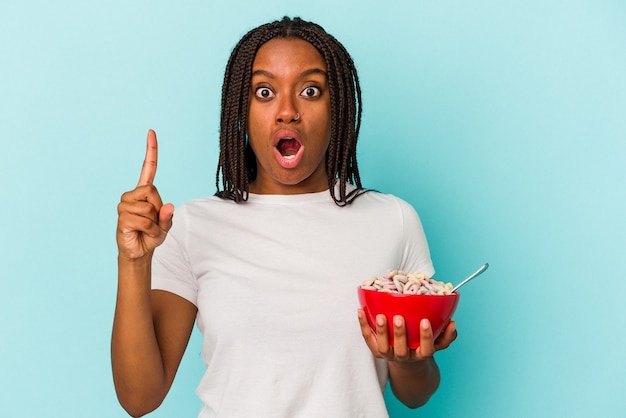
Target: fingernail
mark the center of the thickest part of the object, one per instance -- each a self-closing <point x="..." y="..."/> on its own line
<point x="424" y="323"/>
<point x="397" y="321"/>
<point x="380" y="320"/>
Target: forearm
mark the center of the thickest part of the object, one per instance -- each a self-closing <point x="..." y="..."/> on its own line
<point x="414" y="383"/>
<point x="137" y="364"/>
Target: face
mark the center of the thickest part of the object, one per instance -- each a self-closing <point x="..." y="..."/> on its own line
<point x="289" y="118"/>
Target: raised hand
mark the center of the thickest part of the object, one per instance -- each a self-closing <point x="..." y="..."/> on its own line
<point x="143" y="220"/>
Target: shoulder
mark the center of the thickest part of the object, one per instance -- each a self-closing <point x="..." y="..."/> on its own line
<point x="200" y="211"/>
<point x="207" y="203"/>
<point x="384" y="200"/>
<point x="390" y="206"/>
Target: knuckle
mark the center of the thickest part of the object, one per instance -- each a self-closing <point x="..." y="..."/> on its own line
<point x="151" y="189"/>
<point x="146" y="224"/>
<point x="427" y="352"/>
<point x="384" y="351"/>
<point x="126" y="196"/>
<point x="401" y="352"/>
<point x="402" y="356"/>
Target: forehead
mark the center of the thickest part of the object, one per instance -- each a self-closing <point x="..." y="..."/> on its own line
<point x="281" y="54"/>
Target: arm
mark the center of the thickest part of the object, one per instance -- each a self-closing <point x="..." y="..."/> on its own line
<point x="413" y="374"/>
<point x="151" y="329"/>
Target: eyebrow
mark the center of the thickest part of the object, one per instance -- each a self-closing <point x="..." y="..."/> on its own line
<point x="303" y="74"/>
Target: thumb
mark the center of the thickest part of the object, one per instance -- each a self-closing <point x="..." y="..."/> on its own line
<point x="166" y="213"/>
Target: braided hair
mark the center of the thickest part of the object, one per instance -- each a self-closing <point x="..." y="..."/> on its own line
<point x="237" y="163"/>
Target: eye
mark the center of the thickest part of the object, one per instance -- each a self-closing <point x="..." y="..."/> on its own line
<point x="311" y="91"/>
<point x="264" y="93"/>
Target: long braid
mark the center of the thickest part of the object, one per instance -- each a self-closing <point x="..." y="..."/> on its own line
<point x="237" y="162"/>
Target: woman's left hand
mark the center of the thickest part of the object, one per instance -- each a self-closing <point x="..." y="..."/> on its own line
<point x="378" y="342"/>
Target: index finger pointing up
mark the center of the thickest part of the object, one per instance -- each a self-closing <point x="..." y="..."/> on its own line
<point x="148" y="170"/>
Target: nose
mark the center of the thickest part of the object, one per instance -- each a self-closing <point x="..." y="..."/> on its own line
<point x="287" y="111"/>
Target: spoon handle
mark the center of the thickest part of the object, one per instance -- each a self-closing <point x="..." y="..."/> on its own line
<point x="476" y="273"/>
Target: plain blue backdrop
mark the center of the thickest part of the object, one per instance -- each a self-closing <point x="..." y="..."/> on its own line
<point x="503" y="123"/>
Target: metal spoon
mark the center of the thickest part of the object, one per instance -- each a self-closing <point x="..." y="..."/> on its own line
<point x="476" y="273"/>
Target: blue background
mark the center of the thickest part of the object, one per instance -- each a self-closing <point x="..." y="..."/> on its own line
<point x="502" y="122"/>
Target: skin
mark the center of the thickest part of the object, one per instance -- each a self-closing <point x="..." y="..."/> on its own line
<point x="284" y="71"/>
<point x="151" y="328"/>
<point x="289" y="79"/>
<point x="413" y="374"/>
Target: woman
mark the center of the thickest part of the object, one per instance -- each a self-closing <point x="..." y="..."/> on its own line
<point x="269" y="266"/>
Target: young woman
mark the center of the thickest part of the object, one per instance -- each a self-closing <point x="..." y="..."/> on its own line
<point x="269" y="266"/>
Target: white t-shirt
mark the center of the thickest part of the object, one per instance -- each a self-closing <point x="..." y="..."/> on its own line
<point x="275" y="283"/>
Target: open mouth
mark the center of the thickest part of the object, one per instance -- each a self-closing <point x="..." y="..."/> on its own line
<point x="288" y="147"/>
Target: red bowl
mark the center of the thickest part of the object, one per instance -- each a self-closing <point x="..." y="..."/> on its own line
<point x="438" y="309"/>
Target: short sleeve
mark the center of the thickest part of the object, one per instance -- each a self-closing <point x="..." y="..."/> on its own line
<point x="171" y="270"/>
<point x="416" y="254"/>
